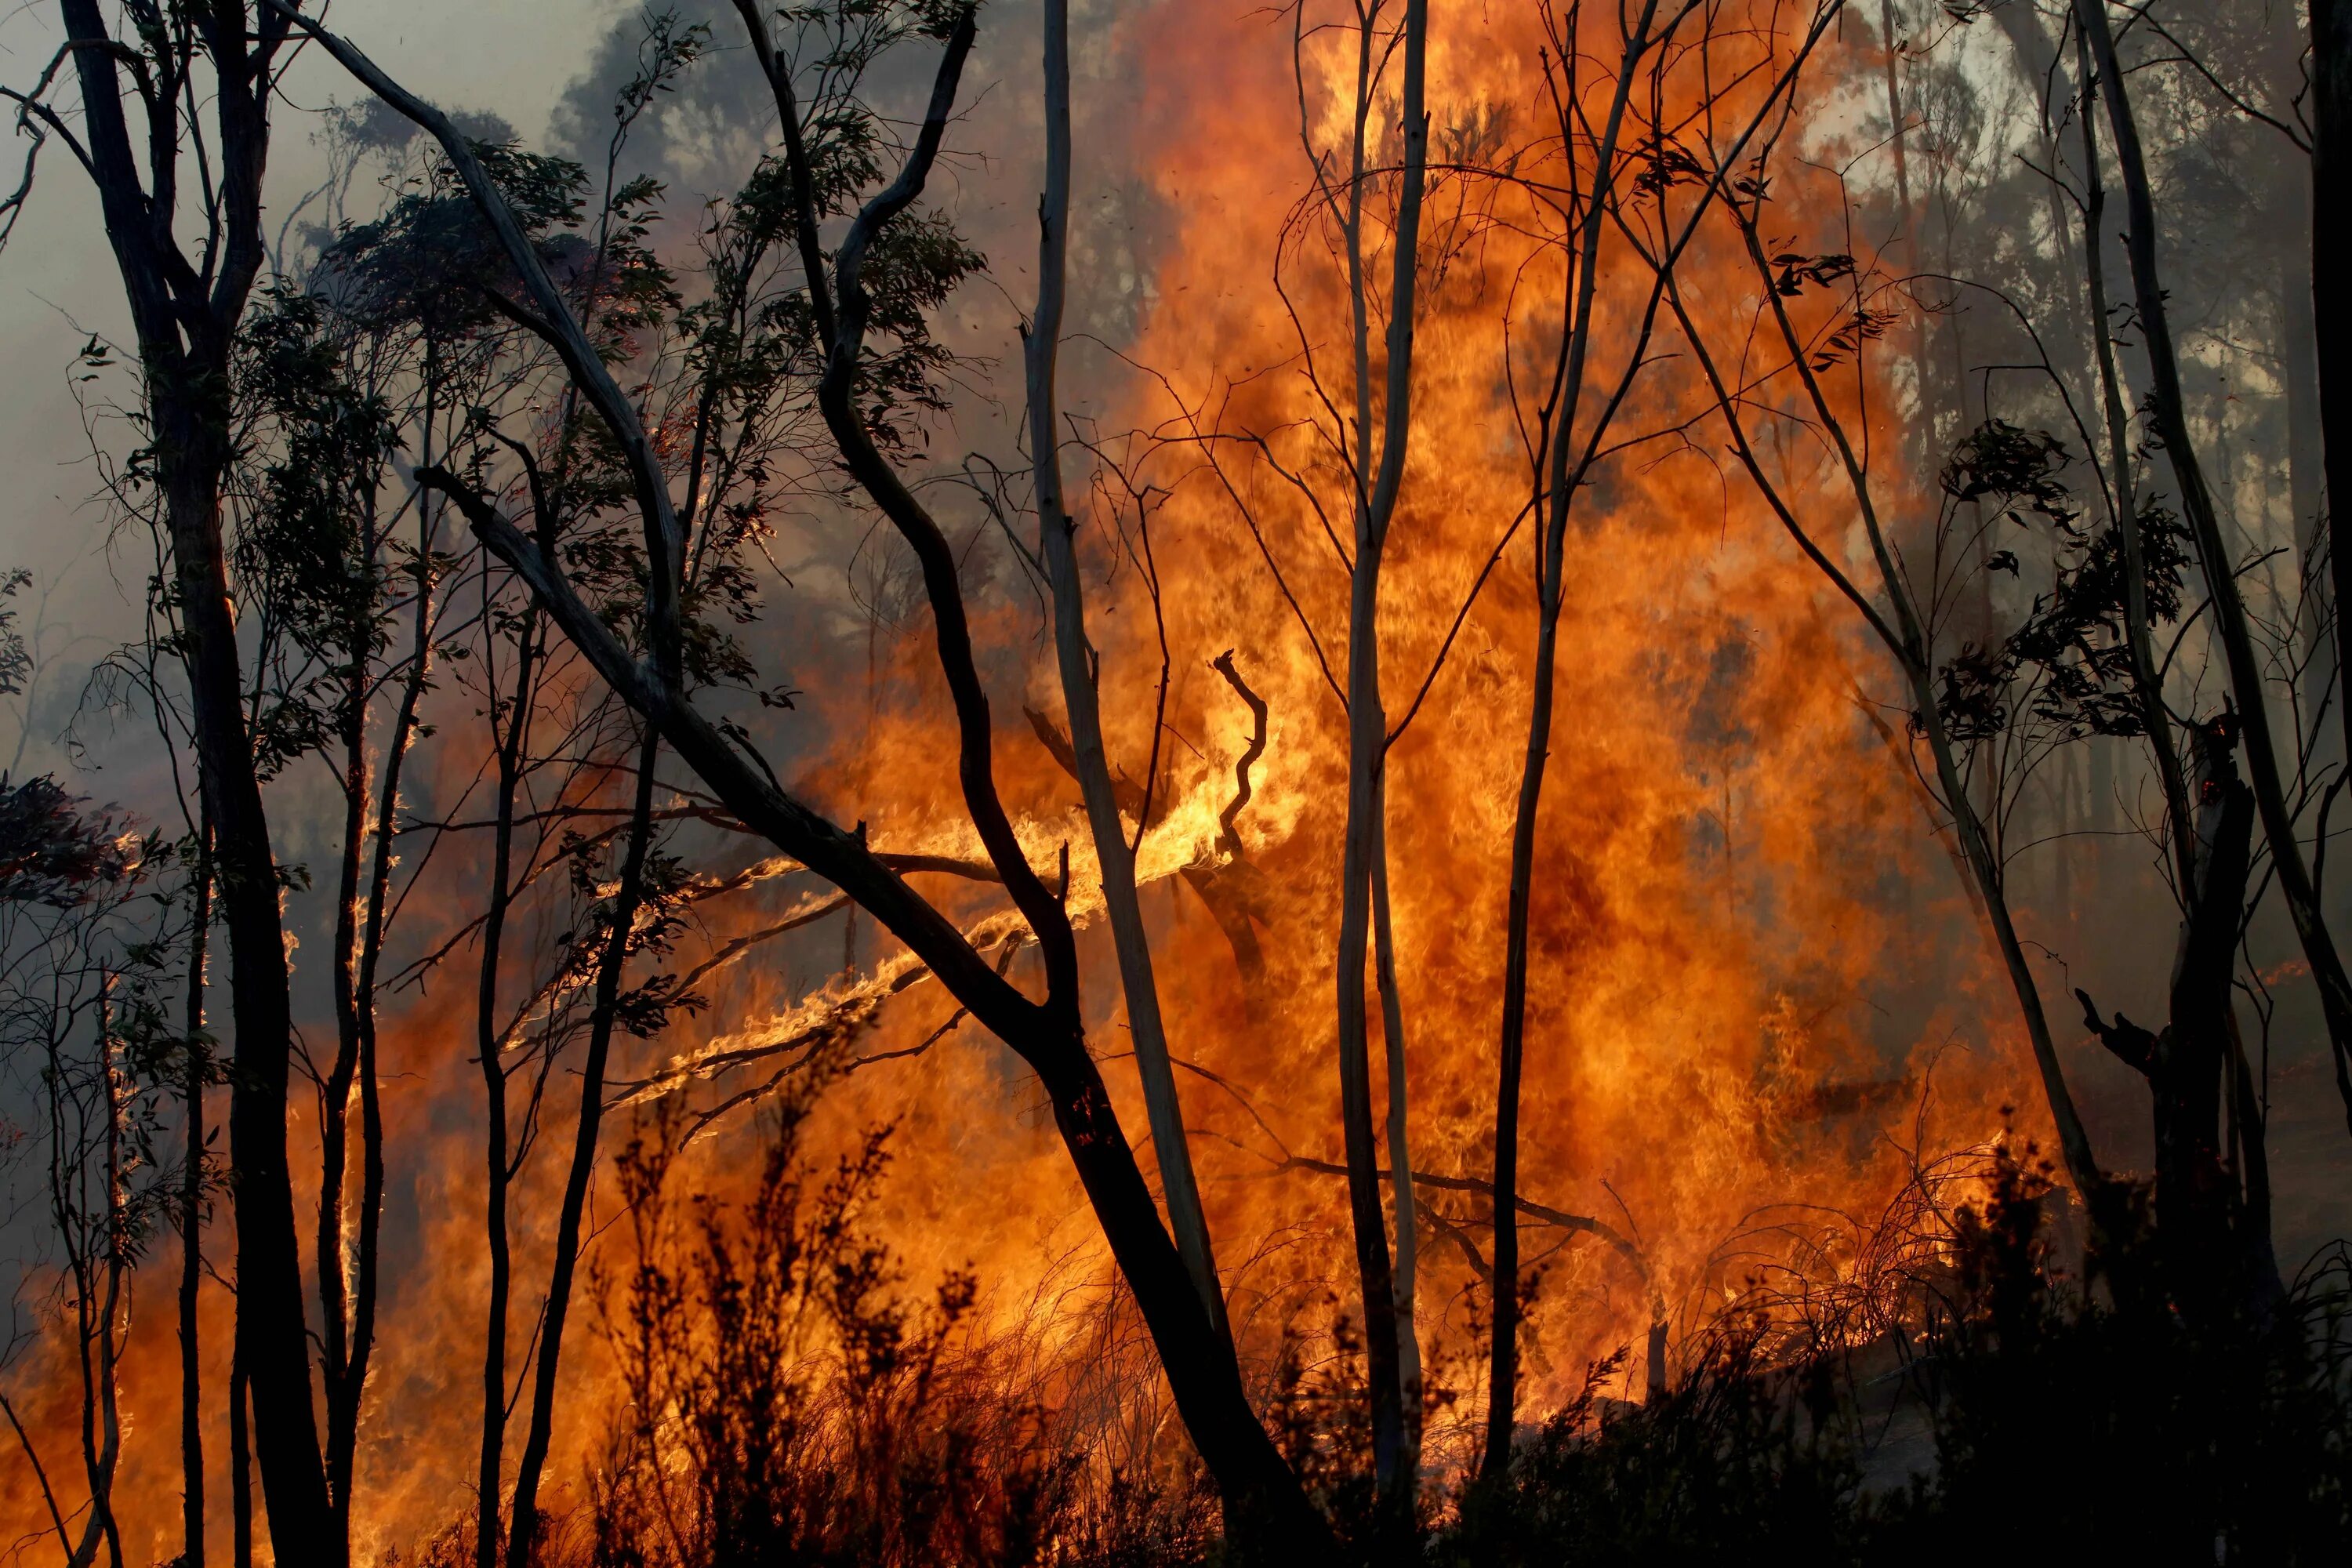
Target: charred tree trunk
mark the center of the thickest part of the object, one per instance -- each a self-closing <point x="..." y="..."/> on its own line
<point x="1368" y="736"/>
<point x="1399" y="1141"/>
<point x="489" y="1044"/>
<point x="186" y="320"/>
<point x="2213" y="1237"/>
<point x="2171" y="421"/>
<point x="195" y="1074"/>
<point x="1078" y="667"/>
<point x="1560" y="471"/>
<point x="347" y="1394"/>
<point x="2147" y="684"/>
<point x="2331" y="310"/>
<point x="524" y="1517"/>
<point x="332" y="1260"/>
<point x="2195" y="1196"/>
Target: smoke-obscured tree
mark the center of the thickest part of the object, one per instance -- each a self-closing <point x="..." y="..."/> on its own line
<point x="200" y="82"/>
<point x="1802" y="360"/>
<point x="864" y="302"/>
<point x="90" y="1044"/>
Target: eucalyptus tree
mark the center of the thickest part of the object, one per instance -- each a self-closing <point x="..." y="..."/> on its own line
<point x="89" y="941"/>
<point x="202" y="80"/>
<point x="1802" y="358"/>
<point x="863" y="303"/>
<point x="1577" y="183"/>
<point x="2216" y="558"/>
<point x="1376" y="484"/>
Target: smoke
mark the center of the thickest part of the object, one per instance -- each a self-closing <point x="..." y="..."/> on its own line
<point x="1759" y="981"/>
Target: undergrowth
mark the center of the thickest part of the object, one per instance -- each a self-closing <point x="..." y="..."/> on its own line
<point x="790" y="1398"/>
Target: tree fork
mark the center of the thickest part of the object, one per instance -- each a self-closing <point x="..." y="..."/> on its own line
<point x="186" y="322"/>
<point x="2171" y="422"/>
<point x="1073" y="656"/>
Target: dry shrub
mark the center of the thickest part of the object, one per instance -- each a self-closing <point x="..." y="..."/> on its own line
<point x="786" y="1399"/>
<point x="2076" y="1414"/>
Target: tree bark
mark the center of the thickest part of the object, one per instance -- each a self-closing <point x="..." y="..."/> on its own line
<point x="2171" y="420"/>
<point x="2138" y="632"/>
<point x="1400" y="1141"/>
<point x="1078" y="666"/>
<point x="2213" y="1236"/>
<point x="186" y="320"/>
<point x="490" y="1044"/>
<point x="2331" y="310"/>
<point x="329" y="1258"/>
<point x="523" y="1514"/>
<point x="1368" y="738"/>
<point x="347" y="1398"/>
<point x="195" y="1072"/>
<point x="1556" y="483"/>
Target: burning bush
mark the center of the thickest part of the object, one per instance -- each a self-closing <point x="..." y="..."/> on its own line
<point x="2078" y="1415"/>
<point x="786" y="1398"/>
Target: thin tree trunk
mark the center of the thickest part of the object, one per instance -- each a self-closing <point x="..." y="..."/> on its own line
<point x="489" y="1042"/>
<point x="2331" y="311"/>
<point x="1368" y="742"/>
<point x="1907" y="640"/>
<point x="1975" y="844"/>
<point x="2171" y="420"/>
<point x="1921" y="430"/>
<point x="611" y="964"/>
<point x="185" y="330"/>
<point x="109" y="1349"/>
<point x="1502" y="1373"/>
<point x="1557" y="494"/>
<point x="1401" y="1193"/>
<point x="2138" y="633"/>
<point x="93" y="1253"/>
<point x="343" y="1410"/>
<point x="332" y="1263"/>
<point x="192" y="1220"/>
<point x="2306" y="458"/>
<point x="1076" y="661"/>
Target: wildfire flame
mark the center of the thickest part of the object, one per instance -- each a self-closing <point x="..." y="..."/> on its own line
<point x="1732" y="864"/>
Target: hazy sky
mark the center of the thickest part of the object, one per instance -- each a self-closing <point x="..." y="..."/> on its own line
<point x="516" y="59"/>
<point x="57" y="281"/>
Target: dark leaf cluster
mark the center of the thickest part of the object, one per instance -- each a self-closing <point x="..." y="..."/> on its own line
<point x="1797" y="271"/>
<point x="2069" y="659"/>
<point x="52" y="851"/>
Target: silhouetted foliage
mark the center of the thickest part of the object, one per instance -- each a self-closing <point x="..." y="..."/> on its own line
<point x="785" y="1400"/>
<point x="2072" y="1419"/>
<point x="51" y="852"/>
<point x="2069" y="652"/>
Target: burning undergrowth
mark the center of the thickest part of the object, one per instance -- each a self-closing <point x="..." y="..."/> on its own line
<point x="832" y="1052"/>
